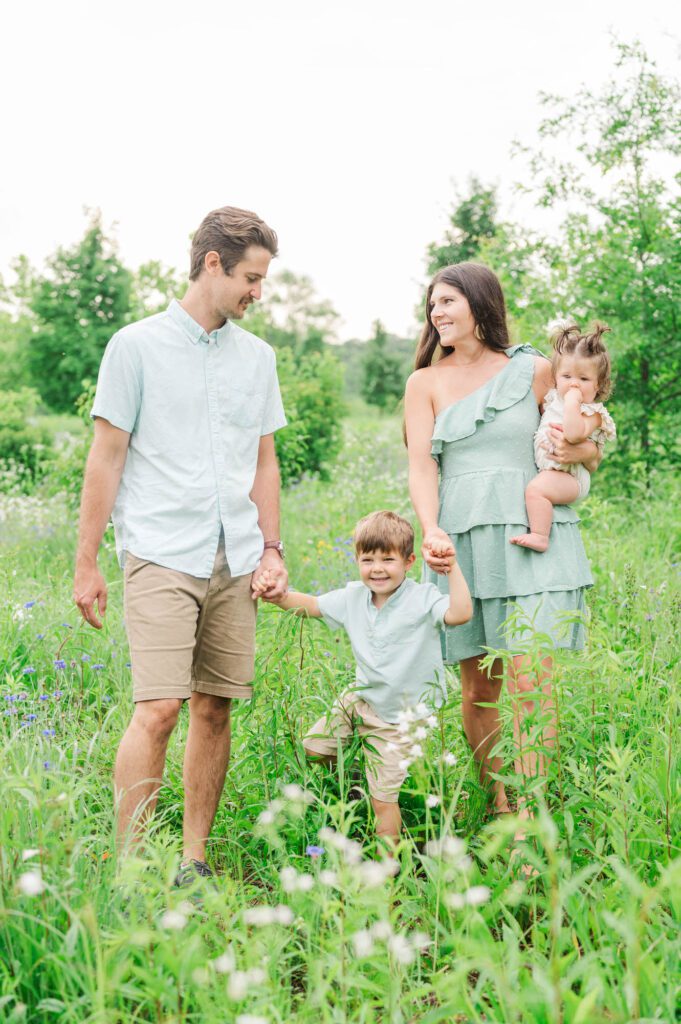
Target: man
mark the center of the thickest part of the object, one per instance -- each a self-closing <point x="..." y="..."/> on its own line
<point x="183" y="456"/>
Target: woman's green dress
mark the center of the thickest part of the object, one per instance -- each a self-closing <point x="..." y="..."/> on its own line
<point x="483" y="445"/>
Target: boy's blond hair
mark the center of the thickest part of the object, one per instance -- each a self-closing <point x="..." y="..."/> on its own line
<point x="384" y="531"/>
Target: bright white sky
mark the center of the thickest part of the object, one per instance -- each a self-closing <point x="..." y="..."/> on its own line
<point x="345" y="125"/>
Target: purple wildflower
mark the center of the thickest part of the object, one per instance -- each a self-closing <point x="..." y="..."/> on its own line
<point x="59" y="663"/>
<point x="29" y="604"/>
<point x="97" y="668"/>
<point x="29" y="670"/>
<point x="49" y="732"/>
<point x="314" y="851"/>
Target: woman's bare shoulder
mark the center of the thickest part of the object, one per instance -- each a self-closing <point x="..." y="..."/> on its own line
<point x="543" y="377"/>
<point x="420" y="381"/>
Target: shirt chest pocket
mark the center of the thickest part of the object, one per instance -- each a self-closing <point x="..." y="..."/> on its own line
<point x="242" y="407"/>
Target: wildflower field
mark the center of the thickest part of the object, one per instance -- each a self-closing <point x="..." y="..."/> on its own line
<point x="308" y="923"/>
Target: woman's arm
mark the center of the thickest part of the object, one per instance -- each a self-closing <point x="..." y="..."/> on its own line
<point x="423" y="478"/>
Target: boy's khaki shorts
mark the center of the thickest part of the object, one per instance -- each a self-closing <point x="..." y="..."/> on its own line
<point x="188" y="634"/>
<point x="384" y="745"/>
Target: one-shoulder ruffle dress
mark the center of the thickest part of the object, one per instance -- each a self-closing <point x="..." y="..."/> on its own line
<point x="483" y="445"/>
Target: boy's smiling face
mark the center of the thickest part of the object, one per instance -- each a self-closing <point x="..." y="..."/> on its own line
<point x="383" y="571"/>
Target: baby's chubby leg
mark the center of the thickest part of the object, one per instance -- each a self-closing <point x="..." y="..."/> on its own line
<point x="550" y="487"/>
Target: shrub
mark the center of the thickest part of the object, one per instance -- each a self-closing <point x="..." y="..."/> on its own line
<point x="311" y="387"/>
<point x="24" y="441"/>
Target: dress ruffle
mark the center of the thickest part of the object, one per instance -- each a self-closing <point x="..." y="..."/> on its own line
<point x="464" y="417"/>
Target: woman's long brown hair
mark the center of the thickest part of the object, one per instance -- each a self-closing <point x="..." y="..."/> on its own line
<point x="482" y="290"/>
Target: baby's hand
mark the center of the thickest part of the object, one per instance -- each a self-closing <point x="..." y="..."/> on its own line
<point x="259" y="586"/>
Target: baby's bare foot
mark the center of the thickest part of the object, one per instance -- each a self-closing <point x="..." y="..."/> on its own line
<point x="536" y="541"/>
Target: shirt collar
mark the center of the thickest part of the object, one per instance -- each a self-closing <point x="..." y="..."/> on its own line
<point x="194" y="331"/>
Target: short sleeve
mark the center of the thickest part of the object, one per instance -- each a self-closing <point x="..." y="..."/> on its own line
<point x="274" y="417"/>
<point x="334" y="608"/>
<point x="435" y="603"/>
<point x="607" y="430"/>
<point x="119" y="386"/>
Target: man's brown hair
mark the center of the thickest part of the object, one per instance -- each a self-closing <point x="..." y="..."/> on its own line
<point x="383" y="531"/>
<point x="229" y="232"/>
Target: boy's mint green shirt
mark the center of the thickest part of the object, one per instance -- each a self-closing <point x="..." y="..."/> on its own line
<point x="195" y="406"/>
<point x="397" y="647"/>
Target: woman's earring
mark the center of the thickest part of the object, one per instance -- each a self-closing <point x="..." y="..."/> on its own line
<point x="478" y="333"/>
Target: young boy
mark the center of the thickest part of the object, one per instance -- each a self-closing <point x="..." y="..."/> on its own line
<point x="394" y="626"/>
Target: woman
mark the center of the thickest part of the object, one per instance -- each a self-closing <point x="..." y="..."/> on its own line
<point x="471" y="410"/>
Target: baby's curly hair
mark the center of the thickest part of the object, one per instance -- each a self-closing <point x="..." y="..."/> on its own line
<point x="569" y="340"/>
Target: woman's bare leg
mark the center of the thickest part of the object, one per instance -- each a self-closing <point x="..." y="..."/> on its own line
<point x="481" y="724"/>
<point x="531" y="763"/>
<point x="550" y="487"/>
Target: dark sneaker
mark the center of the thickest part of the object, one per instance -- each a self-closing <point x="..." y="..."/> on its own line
<point x="191" y="872"/>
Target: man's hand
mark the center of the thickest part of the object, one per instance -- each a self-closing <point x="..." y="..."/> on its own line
<point x="438" y="551"/>
<point x="89" y="586"/>
<point x="270" y="579"/>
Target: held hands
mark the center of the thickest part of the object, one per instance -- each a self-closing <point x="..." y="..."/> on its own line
<point x="270" y="579"/>
<point x="438" y="551"/>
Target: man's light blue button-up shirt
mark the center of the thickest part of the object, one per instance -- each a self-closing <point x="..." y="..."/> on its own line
<point x="397" y="647"/>
<point x="195" y="406"/>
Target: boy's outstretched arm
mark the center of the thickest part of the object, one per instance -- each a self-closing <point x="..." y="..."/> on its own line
<point x="460" y="604"/>
<point x="302" y="604"/>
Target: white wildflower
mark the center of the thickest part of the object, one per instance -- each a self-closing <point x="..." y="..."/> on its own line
<point x="250" y="1018"/>
<point x="305" y="883"/>
<point x="266" y="818"/>
<point x="363" y="943"/>
<point x="420" y="733"/>
<point x="400" y="949"/>
<point x="238" y="985"/>
<point x="328" y="877"/>
<point x="381" y="930"/>
<point x="421" y="710"/>
<point x="450" y="848"/>
<point x="173" y="920"/>
<point x="420" y="940"/>
<point x="31" y="883"/>
<point x="407" y="715"/>
<point x="404" y="764"/>
<point x="28" y="854"/>
<point x="431" y="721"/>
<point x="456" y="900"/>
<point x="225" y="963"/>
<point x="432" y="800"/>
<point x="390" y="747"/>
<point x="348" y="848"/>
<point x="288" y="877"/>
<point x="186" y="908"/>
<point x="283" y="914"/>
<point x="373" y="873"/>
<point x="403" y="727"/>
<point x="416" y="750"/>
<point x="477" y="894"/>
<point x="297" y="794"/>
<point x="449" y="759"/>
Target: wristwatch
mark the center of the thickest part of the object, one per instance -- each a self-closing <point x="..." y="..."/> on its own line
<point x="278" y="545"/>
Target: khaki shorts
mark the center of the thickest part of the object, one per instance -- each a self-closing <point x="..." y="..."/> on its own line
<point x="384" y="775"/>
<point x="188" y="634"/>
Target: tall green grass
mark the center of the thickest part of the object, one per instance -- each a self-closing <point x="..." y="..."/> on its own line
<point x="290" y="935"/>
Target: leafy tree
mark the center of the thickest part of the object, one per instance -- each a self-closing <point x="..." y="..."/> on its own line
<point x="383" y="378"/>
<point x="292" y="316"/>
<point x="622" y="244"/>
<point x="472" y="221"/>
<point x="153" y="286"/>
<point x="82" y="299"/>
